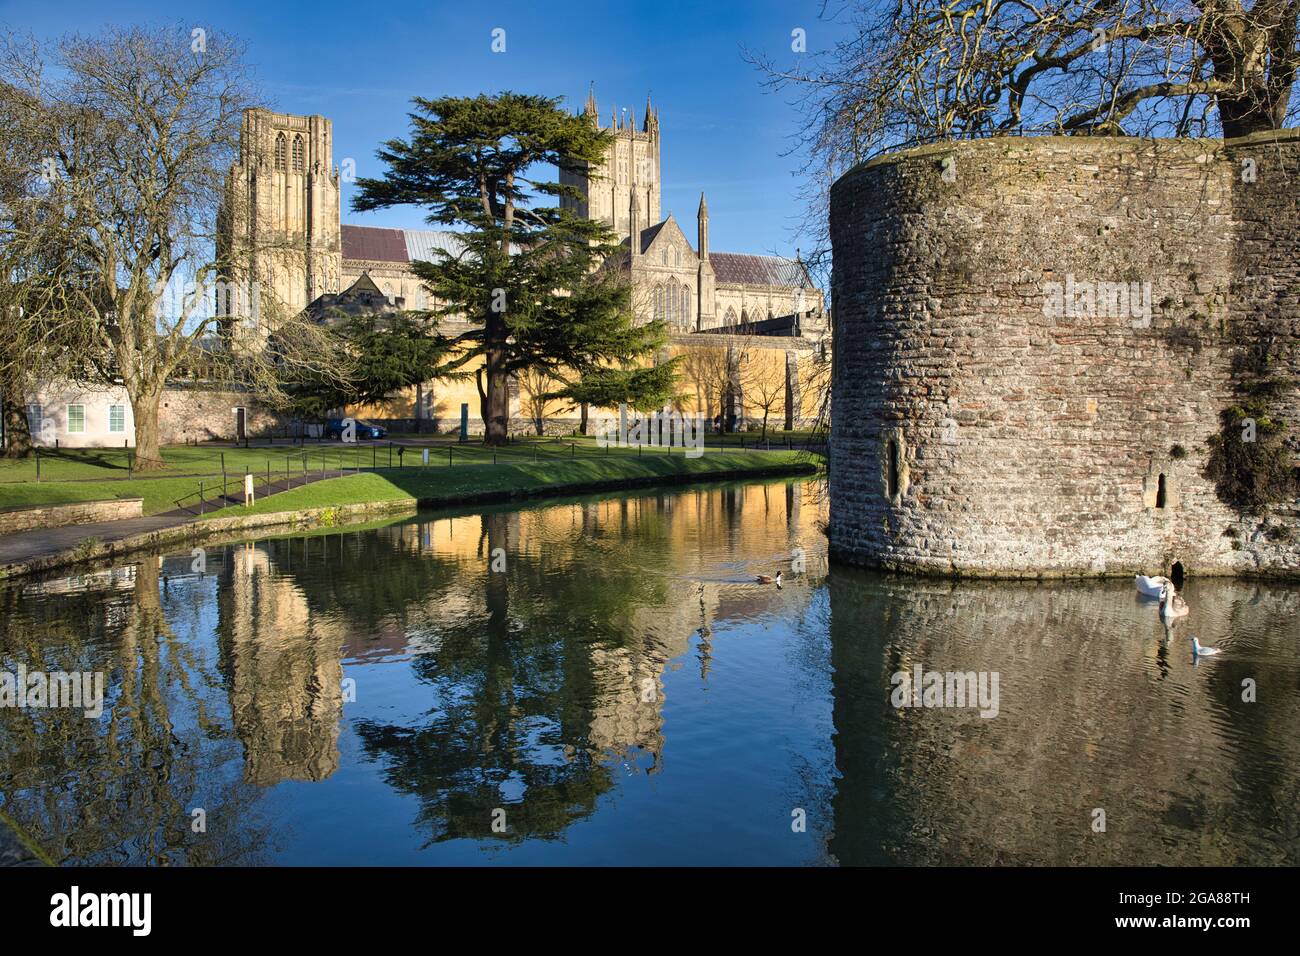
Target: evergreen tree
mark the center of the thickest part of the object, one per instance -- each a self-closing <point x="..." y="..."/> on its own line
<point x="529" y="279"/>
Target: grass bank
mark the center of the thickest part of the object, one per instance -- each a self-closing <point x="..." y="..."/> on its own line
<point x="74" y="475"/>
<point x="520" y="479"/>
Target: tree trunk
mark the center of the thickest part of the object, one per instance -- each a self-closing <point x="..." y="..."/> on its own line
<point x="18" y="438"/>
<point x="582" y="423"/>
<point x="148" y="443"/>
<point x="496" y="421"/>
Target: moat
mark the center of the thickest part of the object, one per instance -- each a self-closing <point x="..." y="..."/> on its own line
<point x="602" y="681"/>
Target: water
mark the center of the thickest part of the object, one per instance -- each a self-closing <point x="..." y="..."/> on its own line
<point x="621" y="692"/>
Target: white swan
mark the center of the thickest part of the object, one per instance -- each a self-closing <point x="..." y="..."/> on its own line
<point x="1199" y="651"/>
<point x="1171" y="603"/>
<point x="1152" y="586"/>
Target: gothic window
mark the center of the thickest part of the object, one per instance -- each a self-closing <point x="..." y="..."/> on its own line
<point x="672" y="302"/>
<point x="297" y="154"/>
<point x="664" y="256"/>
<point x="678" y="254"/>
<point x="730" y="317"/>
<point x="686" y="307"/>
<point x="280" y="147"/>
<point x="659" y="302"/>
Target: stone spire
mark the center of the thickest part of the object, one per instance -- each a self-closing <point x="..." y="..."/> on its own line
<point x="651" y="123"/>
<point x="702" y="220"/>
<point x="590" y="108"/>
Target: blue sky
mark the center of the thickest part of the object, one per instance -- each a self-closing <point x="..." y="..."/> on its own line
<point x="363" y="62"/>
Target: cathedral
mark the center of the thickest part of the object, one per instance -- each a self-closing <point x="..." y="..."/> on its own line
<point x="282" y="217"/>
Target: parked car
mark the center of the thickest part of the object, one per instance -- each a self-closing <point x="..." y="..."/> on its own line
<point x="362" y="430"/>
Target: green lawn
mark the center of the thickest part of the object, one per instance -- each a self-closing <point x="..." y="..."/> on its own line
<point x="393" y="484"/>
<point x="91" y="474"/>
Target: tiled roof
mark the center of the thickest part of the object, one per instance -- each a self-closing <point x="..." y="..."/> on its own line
<point x="425" y="244"/>
<point x="648" y="235"/>
<point x="759" y="270"/>
<point x="374" y="244"/>
<point x="377" y="244"/>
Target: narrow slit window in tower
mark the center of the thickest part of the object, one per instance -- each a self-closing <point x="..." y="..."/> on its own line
<point x="1160" y="492"/>
<point x="892" y="467"/>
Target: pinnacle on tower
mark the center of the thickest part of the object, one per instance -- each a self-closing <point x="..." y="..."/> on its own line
<point x="590" y="108"/>
<point x="650" y="119"/>
<point x="704" y="208"/>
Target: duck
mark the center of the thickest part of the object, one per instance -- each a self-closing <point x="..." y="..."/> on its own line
<point x="768" y="579"/>
<point x="1151" y="586"/>
<point x="1171" y="603"/>
<point x="1200" y="651"/>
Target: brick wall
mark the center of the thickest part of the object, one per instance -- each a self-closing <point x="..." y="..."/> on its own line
<point x="1029" y="443"/>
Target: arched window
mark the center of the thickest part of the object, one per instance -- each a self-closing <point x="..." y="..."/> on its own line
<point x="686" y="307"/>
<point x="280" y="148"/>
<point x="678" y="254"/>
<point x="664" y="256"/>
<point x="297" y="154"/>
<point x="659" y="302"/>
<point x="1161" y="492"/>
<point x="730" y="317"/>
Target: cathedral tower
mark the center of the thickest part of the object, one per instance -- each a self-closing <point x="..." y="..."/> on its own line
<point x="631" y="165"/>
<point x="280" y="218"/>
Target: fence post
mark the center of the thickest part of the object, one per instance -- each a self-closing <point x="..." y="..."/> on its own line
<point x="202" y="500"/>
<point x="38" y="462"/>
<point x="449" y="451"/>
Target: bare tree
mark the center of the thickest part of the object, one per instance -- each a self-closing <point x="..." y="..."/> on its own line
<point x="916" y="71"/>
<point x="132" y="134"/>
<point x="538" y="388"/>
<point x="763" y="387"/>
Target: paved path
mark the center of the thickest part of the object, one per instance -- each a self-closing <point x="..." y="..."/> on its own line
<point x="30" y="545"/>
<point x="44" y="542"/>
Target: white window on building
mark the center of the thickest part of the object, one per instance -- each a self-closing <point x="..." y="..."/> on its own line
<point x="34" y="415"/>
<point x="76" y="419"/>
<point x="117" y="418"/>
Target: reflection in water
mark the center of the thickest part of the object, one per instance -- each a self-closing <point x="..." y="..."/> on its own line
<point x="600" y="681"/>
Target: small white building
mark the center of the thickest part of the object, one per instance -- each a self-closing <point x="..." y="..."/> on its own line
<point x="80" y="416"/>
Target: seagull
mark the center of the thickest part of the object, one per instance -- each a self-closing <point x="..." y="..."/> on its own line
<point x="1199" y="651"/>
<point x="768" y="579"/>
<point x="1171" y="603"/>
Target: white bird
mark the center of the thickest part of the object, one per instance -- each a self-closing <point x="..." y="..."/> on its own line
<point x="1171" y="603"/>
<point x="1199" y="651"/>
<point x="1151" y="587"/>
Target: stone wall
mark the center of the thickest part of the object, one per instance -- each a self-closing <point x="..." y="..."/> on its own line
<point x="190" y="414"/>
<point x="14" y="520"/>
<point x="983" y="427"/>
